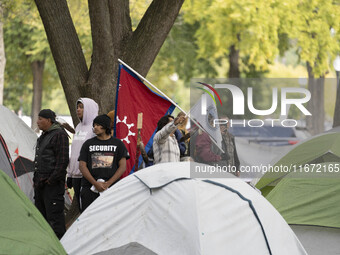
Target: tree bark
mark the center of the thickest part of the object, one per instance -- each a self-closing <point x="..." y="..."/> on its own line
<point x="315" y="123"/>
<point x="66" y="50"/>
<point x="112" y="38"/>
<point x="234" y="70"/>
<point x="142" y="47"/>
<point x="2" y="57"/>
<point x="37" y="71"/>
<point x="336" y="117"/>
<point x="103" y="69"/>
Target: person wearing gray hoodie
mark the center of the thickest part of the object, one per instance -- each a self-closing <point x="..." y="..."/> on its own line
<point x="87" y="110"/>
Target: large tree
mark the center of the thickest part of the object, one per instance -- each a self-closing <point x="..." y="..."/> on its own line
<point x="5" y="6"/>
<point x="27" y="48"/>
<point x="311" y="25"/>
<point x="112" y="37"/>
<point x="2" y="54"/>
<point x="244" y="31"/>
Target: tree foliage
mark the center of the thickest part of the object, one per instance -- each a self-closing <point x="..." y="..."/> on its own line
<point x="251" y="27"/>
<point x="315" y="27"/>
<point x="25" y="42"/>
<point x="113" y="37"/>
<point x="87" y="37"/>
<point x="179" y="53"/>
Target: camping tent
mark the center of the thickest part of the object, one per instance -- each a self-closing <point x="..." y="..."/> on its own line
<point x="310" y="202"/>
<point x="318" y="149"/>
<point x="23" y="229"/>
<point x="17" y="143"/>
<point x="161" y="210"/>
<point x="17" y="149"/>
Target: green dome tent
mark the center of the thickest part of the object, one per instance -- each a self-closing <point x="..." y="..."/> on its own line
<point x="318" y="149"/>
<point x="310" y="203"/>
<point x="309" y="199"/>
<point x="23" y="228"/>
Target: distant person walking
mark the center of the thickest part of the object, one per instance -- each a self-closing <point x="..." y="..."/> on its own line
<point x="102" y="161"/>
<point x="87" y="110"/>
<point x="51" y="160"/>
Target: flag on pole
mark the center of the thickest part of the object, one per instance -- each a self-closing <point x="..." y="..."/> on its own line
<point x="204" y="112"/>
<point x="134" y="97"/>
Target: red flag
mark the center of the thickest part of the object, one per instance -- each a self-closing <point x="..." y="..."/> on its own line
<point x="134" y="97"/>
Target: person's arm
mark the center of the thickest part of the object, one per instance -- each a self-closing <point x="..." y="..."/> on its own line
<point x="164" y="133"/>
<point x="60" y="144"/>
<point x="87" y="175"/>
<point x="121" y="169"/>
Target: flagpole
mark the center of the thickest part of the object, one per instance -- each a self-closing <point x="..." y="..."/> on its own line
<point x="164" y="95"/>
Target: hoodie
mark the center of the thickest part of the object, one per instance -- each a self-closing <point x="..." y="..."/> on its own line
<point x="83" y="133"/>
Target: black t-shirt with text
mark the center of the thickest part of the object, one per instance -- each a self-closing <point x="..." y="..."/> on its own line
<point x="102" y="157"/>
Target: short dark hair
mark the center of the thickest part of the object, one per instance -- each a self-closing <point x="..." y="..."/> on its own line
<point x="104" y="121"/>
<point x="108" y="131"/>
<point x="163" y="121"/>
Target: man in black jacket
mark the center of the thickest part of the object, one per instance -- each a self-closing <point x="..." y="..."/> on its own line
<point x="51" y="160"/>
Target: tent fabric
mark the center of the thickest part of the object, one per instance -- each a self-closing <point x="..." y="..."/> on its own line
<point x="162" y="210"/>
<point x="4" y="162"/>
<point x="318" y="240"/>
<point x="23" y="229"/>
<point x="128" y="249"/>
<point x="315" y="150"/>
<point x="308" y="199"/>
<point x="17" y="134"/>
<point x="310" y="203"/>
<point x="17" y="150"/>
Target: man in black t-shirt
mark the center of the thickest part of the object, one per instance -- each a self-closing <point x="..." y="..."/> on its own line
<point x="102" y="161"/>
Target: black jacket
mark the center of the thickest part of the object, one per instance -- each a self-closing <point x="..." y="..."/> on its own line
<point x="51" y="156"/>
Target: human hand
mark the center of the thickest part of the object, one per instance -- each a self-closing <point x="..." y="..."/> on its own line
<point x="106" y="185"/>
<point x="100" y="186"/>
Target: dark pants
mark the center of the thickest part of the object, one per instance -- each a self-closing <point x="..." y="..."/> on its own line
<point x="49" y="199"/>
<point x="87" y="197"/>
<point x="76" y="183"/>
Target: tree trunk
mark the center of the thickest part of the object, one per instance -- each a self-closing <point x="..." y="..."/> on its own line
<point x="233" y="74"/>
<point x="315" y="123"/>
<point x="234" y="70"/>
<point x="37" y="71"/>
<point x="66" y="50"/>
<point x="112" y="38"/>
<point x="336" y="118"/>
<point x="2" y="57"/>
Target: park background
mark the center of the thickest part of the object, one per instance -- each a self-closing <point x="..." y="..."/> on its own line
<point x="208" y="39"/>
